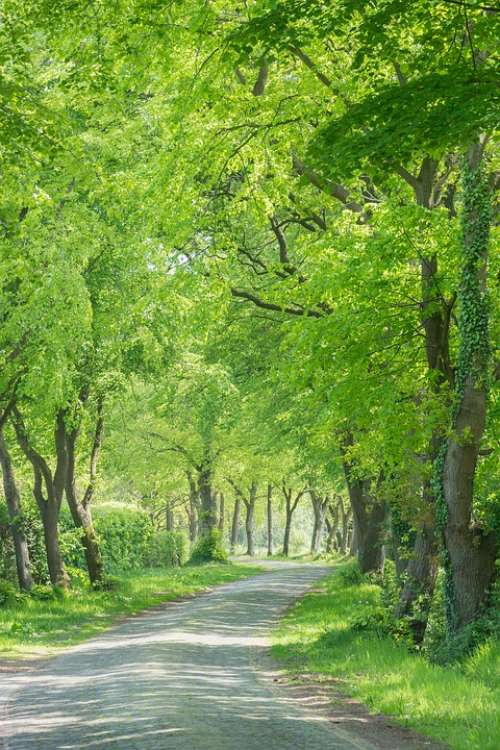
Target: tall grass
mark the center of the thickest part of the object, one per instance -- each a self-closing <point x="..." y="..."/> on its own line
<point x="457" y="704"/>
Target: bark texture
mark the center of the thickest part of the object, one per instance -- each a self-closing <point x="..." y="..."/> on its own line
<point x="235" y="525"/>
<point x="471" y="552"/>
<point x="13" y="500"/>
<point x="48" y="490"/>
<point x="80" y="508"/>
<point x="369" y="513"/>
<point x="290" y="508"/>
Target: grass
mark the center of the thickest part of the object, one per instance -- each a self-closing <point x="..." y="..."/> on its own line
<point x="36" y="628"/>
<point x="458" y="705"/>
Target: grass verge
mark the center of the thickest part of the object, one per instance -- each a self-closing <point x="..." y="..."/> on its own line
<point x="457" y="705"/>
<point x="35" y="628"/>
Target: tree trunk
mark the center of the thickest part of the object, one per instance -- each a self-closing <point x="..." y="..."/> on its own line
<point x="57" y="571"/>
<point x="169" y="518"/>
<point x="221" y="512"/>
<point x="416" y="595"/>
<point x="344" y="536"/>
<point x="269" y="520"/>
<point x="236" y="523"/>
<point x="13" y="500"/>
<point x="290" y="507"/>
<point x="319" y="505"/>
<point x="80" y="510"/>
<point x="208" y="510"/>
<point x="249" y="518"/>
<point x="192" y="509"/>
<point x="288" y="529"/>
<point x="471" y="552"/>
<point x="369" y="514"/>
<point x="49" y="505"/>
<point x="435" y="318"/>
<point x="353" y="545"/>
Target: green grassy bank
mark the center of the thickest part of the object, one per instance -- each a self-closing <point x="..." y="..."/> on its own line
<point x="34" y="627"/>
<point x="456" y="704"/>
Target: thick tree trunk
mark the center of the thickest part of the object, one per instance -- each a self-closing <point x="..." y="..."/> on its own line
<point x="13" y="500"/>
<point x="208" y="511"/>
<point x="235" y="525"/>
<point x="471" y="552"/>
<point x="369" y="514"/>
<point x="57" y="572"/>
<point x="269" y="520"/>
<point x="80" y="510"/>
<point x="435" y="318"/>
<point x="49" y="505"/>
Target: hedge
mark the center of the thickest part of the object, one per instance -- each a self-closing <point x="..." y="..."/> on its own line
<point x="127" y="536"/>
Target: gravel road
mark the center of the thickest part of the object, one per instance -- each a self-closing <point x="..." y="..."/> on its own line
<point x="194" y="675"/>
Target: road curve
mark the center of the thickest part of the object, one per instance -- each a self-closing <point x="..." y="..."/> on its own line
<point x="187" y="676"/>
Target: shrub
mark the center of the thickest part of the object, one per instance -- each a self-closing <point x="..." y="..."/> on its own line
<point x="42" y="592"/>
<point x="351" y="574"/>
<point x="209" y="548"/>
<point x="8" y="593"/>
<point x="168" y="549"/>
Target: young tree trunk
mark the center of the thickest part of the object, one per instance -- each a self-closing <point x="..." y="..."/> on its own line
<point x="471" y="552"/>
<point x="49" y="504"/>
<point x="319" y="505"/>
<point x="221" y="512"/>
<point x="287" y="532"/>
<point x="269" y="520"/>
<point x="332" y="522"/>
<point x="80" y="509"/>
<point x="369" y="514"/>
<point x="290" y="507"/>
<point x="13" y="500"/>
<point x="169" y="518"/>
<point x="353" y="542"/>
<point x="235" y="523"/>
<point x="344" y="536"/>
<point x="249" y="518"/>
<point x="193" y="508"/>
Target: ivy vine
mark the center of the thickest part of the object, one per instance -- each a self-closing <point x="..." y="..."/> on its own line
<point x="474" y="350"/>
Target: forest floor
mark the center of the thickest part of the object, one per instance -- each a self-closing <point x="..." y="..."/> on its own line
<point x="35" y="628"/>
<point x="325" y="655"/>
<point x="193" y="675"/>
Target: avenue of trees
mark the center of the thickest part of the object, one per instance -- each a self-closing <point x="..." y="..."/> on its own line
<point x="248" y="282"/>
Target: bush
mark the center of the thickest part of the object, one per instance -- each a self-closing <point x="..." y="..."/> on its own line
<point x="8" y="593"/>
<point x="351" y="574"/>
<point x="42" y="592"/>
<point x="168" y="549"/>
<point x="209" y="548"/>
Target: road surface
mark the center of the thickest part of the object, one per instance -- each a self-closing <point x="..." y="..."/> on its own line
<point x="188" y="676"/>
